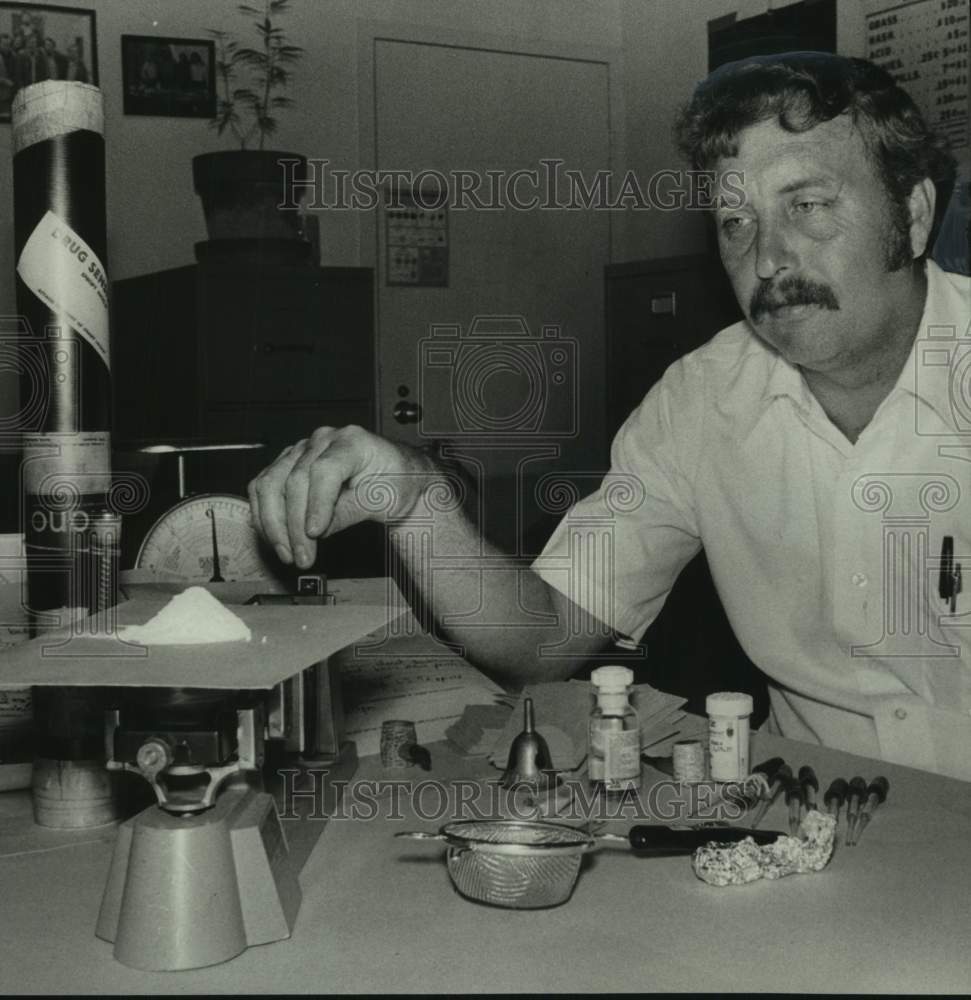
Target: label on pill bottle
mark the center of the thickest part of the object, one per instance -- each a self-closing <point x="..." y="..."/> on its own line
<point x="728" y="748"/>
<point x="615" y="757"/>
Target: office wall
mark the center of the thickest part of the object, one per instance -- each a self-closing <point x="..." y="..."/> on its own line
<point x="154" y="216"/>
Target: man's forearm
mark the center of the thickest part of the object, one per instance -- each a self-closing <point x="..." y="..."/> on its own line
<point x="508" y="620"/>
<point x="505" y="618"/>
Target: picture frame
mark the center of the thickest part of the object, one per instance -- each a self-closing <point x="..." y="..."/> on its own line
<point x="168" y="77"/>
<point x="42" y="42"/>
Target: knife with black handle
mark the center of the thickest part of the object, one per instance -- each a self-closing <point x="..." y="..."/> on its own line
<point x="666" y="841"/>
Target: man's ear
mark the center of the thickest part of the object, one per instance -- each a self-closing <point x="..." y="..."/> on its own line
<point x="921" y="204"/>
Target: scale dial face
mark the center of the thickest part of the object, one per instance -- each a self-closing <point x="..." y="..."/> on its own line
<point x="207" y="538"/>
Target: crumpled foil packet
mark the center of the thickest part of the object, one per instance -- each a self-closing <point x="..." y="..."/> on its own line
<point x="746" y="861"/>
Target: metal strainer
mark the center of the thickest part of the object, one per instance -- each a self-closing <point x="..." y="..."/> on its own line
<point x="527" y="864"/>
<point x="520" y="864"/>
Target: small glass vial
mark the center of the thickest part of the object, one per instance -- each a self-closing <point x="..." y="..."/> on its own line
<point x="728" y="734"/>
<point x="614" y="761"/>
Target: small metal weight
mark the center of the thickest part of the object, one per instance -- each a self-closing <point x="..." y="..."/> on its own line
<point x="397" y="735"/>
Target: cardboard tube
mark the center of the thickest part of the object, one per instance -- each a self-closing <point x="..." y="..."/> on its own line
<point x="65" y="365"/>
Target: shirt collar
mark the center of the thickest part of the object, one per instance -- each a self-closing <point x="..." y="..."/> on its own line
<point x="784" y="379"/>
<point x="781" y="380"/>
<point x="939" y="347"/>
<point x="930" y="365"/>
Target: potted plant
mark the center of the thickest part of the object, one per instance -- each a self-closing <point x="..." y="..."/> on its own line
<point x="241" y="189"/>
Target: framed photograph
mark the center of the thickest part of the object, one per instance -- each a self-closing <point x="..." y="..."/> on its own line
<point x="171" y="77"/>
<point x="40" y="42"/>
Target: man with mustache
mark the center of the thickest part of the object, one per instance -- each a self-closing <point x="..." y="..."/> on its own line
<point x="811" y="449"/>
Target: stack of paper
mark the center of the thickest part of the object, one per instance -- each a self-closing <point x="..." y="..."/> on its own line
<point x="476" y="732"/>
<point x="689" y="727"/>
<point x="662" y="721"/>
<point x="417" y="680"/>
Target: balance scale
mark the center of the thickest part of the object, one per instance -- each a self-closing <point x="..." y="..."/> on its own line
<point x="207" y="872"/>
<point x="205" y="536"/>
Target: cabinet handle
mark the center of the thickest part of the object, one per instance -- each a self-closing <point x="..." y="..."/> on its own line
<point x="664" y="304"/>
<point x="288" y="348"/>
<point x="406" y="412"/>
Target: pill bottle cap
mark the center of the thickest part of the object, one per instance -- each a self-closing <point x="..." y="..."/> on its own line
<point x="609" y="679"/>
<point x="729" y="703"/>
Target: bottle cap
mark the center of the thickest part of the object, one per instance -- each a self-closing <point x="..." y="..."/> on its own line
<point x="612" y="679"/>
<point x="729" y="703"/>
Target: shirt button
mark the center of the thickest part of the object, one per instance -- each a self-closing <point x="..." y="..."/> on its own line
<point x="900" y="713"/>
<point x="859" y="579"/>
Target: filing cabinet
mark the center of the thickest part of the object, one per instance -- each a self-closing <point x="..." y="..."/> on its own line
<point x="253" y="342"/>
<point x="658" y="310"/>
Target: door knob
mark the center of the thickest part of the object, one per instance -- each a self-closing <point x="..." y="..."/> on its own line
<point x="406" y="412"/>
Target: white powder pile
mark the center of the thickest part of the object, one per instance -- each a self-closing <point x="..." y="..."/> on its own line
<point x="194" y="616"/>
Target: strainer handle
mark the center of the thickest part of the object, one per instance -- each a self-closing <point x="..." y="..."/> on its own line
<point x="420" y="835"/>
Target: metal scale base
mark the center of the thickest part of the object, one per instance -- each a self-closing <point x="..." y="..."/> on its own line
<point x="185" y="892"/>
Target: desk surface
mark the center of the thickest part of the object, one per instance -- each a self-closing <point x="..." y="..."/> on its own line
<point x="380" y="915"/>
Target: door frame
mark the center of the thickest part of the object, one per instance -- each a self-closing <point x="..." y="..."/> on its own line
<point x="372" y="31"/>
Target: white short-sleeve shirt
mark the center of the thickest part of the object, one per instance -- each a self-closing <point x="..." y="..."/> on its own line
<point x="826" y="554"/>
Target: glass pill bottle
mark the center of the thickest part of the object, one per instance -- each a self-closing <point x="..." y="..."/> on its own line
<point x="728" y="735"/>
<point x="614" y="733"/>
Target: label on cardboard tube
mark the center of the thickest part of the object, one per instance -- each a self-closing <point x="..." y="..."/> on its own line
<point x="58" y="462"/>
<point x="45" y="110"/>
<point x="66" y="275"/>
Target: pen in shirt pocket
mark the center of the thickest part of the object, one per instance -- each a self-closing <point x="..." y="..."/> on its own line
<point x="949" y="580"/>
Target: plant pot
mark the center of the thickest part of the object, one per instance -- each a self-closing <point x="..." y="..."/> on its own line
<point x="241" y="190"/>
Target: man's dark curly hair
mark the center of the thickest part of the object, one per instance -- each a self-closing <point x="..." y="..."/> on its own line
<point x="803" y="89"/>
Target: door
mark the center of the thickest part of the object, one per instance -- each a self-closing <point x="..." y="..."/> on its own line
<point x="505" y="361"/>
